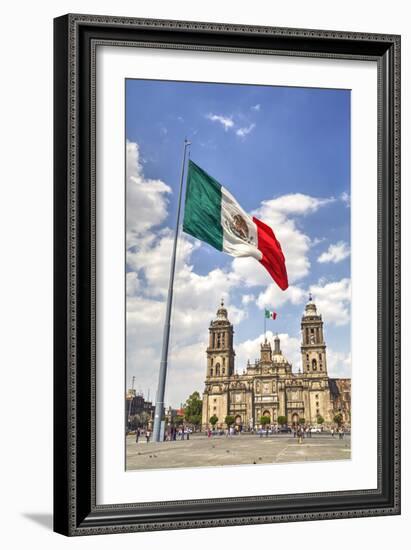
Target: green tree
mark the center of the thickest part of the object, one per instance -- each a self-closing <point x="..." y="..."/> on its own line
<point x="320" y="420"/>
<point x="140" y="420"/>
<point x="193" y="408"/>
<point x="338" y="419"/>
<point x="282" y="420"/>
<point x="213" y="420"/>
<point x="301" y="421"/>
<point x="264" y="420"/>
<point x="135" y="421"/>
<point x="229" y="420"/>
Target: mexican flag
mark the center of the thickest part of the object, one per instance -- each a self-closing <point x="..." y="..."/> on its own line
<point x="214" y="216"/>
<point x="270" y="314"/>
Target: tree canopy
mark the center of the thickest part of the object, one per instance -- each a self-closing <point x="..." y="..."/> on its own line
<point x="264" y="420"/>
<point x="193" y="408"/>
<point x="229" y="420"/>
<point x="213" y="420"/>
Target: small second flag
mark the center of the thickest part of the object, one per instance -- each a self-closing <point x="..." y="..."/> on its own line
<point x="270" y="314"/>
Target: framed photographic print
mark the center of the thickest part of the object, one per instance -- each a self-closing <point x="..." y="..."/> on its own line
<point x="227" y="276"/>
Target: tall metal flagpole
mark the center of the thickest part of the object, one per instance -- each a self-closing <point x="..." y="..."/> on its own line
<point x="158" y="412"/>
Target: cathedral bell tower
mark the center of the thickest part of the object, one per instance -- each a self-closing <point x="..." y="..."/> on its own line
<point x="313" y="348"/>
<point x="220" y="352"/>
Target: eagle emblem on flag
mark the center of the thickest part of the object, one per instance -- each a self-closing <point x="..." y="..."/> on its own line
<point x="239" y="227"/>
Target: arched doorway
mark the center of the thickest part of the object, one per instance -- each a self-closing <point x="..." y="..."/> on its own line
<point x="267" y="414"/>
<point x="295" y="419"/>
<point x="238" y="423"/>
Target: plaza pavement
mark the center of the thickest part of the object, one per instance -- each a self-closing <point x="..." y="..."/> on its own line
<point x="201" y="451"/>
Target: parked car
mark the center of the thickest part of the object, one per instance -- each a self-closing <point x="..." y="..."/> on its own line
<point x="316" y="430"/>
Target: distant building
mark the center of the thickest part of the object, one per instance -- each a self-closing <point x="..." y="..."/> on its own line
<point x="340" y="389"/>
<point x="269" y="387"/>
<point x="136" y="404"/>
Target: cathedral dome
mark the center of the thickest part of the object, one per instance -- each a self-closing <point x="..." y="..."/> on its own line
<point x="278" y="356"/>
<point x="222" y="312"/>
<point x="310" y="308"/>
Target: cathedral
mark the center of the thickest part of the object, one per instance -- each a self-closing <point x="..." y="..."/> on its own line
<point x="269" y="387"/>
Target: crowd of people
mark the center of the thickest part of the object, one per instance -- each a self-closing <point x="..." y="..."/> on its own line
<point x="183" y="433"/>
<point x="172" y="434"/>
<point x="301" y="432"/>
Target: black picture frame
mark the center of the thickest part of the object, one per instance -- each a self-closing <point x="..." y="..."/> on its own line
<point x="75" y="40"/>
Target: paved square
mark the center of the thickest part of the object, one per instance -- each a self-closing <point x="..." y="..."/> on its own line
<point x="201" y="451"/>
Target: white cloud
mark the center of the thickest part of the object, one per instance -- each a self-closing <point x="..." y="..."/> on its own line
<point x="317" y="240"/>
<point x="146" y="199"/>
<point x="274" y="297"/>
<point x="132" y="283"/>
<point x="345" y="197"/>
<point x="338" y="364"/>
<point x="256" y="107"/>
<point x="247" y="299"/>
<point x="152" y="259"/>
<point x="294" y="203"/>
<point x="335" y="253"/>
<point x="196" y="299"/>
<point x="333" y="301"/>
<point x="226" y="121"/>
<point x="243" y="132"/>
<point x="187" y="371"/>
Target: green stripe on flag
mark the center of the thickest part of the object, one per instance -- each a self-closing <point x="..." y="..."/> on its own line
<point x="202" y="212"/>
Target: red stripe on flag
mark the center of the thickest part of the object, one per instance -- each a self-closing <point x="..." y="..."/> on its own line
<point x="273" y="258"/>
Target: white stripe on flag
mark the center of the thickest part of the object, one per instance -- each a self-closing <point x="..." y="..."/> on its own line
<point x="239" y="231"/>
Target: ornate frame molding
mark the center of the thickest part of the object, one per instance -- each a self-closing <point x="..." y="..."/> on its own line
<point x="76" y="40"/>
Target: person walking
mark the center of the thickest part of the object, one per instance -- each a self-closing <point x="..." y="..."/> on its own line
<point x="137" y="435"/>
<point x="300" y="435"/>
<point x="148" y="433"/>
<point x="332" y="432"/>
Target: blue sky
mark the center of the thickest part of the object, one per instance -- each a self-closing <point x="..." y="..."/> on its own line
<point x="284" y="153"/>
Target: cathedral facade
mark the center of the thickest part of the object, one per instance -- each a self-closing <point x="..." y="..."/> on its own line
<point x="269" y="387"/>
